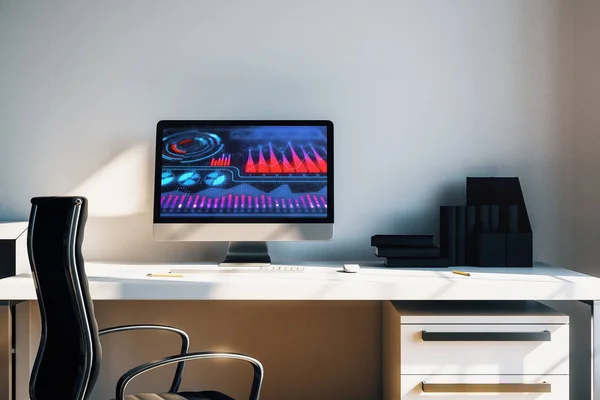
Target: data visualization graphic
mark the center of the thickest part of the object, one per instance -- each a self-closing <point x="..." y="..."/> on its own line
<point x="244" y="171"/>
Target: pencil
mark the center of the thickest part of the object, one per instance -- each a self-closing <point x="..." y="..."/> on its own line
<point x="164" y="275"/>
<point x="461" y="273"/>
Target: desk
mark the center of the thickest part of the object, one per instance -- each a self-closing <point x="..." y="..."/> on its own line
<point x="320" y="281"/>
<point x="324" y="281"/>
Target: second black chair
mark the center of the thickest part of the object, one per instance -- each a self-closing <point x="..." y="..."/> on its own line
<point x="69" y="356"/>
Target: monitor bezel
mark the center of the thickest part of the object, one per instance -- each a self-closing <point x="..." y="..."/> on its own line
<point x="163" y="124"/>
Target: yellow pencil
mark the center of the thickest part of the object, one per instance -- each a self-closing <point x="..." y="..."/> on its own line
<point x="461" y="273"/>
<point x="164" y="275"/>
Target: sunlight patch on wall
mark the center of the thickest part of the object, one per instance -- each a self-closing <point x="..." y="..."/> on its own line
<point x="121" y="187"/>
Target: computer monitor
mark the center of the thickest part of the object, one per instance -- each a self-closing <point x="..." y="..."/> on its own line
<point x="244" y="182"/>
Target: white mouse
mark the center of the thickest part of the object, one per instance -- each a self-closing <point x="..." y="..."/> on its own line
<point x="351" y="268"/>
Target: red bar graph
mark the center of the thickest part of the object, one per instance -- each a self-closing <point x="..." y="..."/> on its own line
<point x="280" y="164"/>
<point x="223" y="161"/>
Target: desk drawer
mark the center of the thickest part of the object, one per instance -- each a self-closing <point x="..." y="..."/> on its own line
<point x="483" y="387"/>
<point x="484" y="349"/>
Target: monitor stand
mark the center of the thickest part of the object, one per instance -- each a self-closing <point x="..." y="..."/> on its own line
<point x="247" y="254"/>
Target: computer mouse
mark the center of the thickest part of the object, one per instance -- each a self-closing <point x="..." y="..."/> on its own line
<point x="351" y="268"/>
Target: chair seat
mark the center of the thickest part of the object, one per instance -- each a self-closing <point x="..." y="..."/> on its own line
<point x="204" y="395"/>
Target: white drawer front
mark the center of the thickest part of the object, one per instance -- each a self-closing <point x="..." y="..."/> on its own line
<point x="489" y="387"/>
<point x="468" y="356"/>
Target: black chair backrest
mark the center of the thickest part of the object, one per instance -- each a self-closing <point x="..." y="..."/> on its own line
<point x="69" y="356"/>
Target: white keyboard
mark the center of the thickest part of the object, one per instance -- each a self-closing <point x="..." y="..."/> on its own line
<point x="281" y="268"/>
<point x="269" y="268"/>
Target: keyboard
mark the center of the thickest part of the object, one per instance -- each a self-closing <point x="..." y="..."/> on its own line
<point x="269" y="268"/>
<point x="281" y="268"/>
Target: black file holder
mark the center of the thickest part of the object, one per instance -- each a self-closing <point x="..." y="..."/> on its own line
<point x="492" y="230"/>
<point x="508" y="242"/>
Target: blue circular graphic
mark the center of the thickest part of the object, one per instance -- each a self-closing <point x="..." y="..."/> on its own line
<point x="215" y="179"/>
<point x="189" y="178"/>
<point x="167" y="177"/>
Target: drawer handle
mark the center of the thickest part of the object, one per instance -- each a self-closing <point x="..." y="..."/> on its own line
<point x="486" y="387"/>
<point x="543" y="336"/>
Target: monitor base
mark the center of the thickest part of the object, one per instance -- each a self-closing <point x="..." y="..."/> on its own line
<point x="255" y="254"/>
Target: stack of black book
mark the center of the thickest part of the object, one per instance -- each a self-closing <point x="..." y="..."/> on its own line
<point x="408" y="251"/>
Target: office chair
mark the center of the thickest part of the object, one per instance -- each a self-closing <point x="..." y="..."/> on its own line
<point x="68" y="360"/>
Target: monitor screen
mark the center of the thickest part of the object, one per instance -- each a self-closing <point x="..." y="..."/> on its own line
<point x="244" y="171"/>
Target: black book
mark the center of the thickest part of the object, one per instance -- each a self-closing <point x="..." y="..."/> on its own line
<point x="471" y="231"/>
<point x="402" y="241"/>
<point x="461" y="231"/>
<point x="416" y="262"/>
<point x="448" y="233"/>
<point x="408" y="252"/>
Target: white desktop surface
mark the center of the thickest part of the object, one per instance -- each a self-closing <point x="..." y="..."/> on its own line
<point x="324" y="281"/>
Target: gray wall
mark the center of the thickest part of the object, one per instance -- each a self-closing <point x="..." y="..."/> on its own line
<point x="423" y="93"/>
<point x="585" y="169"/>
<point x="587" y="136"/>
